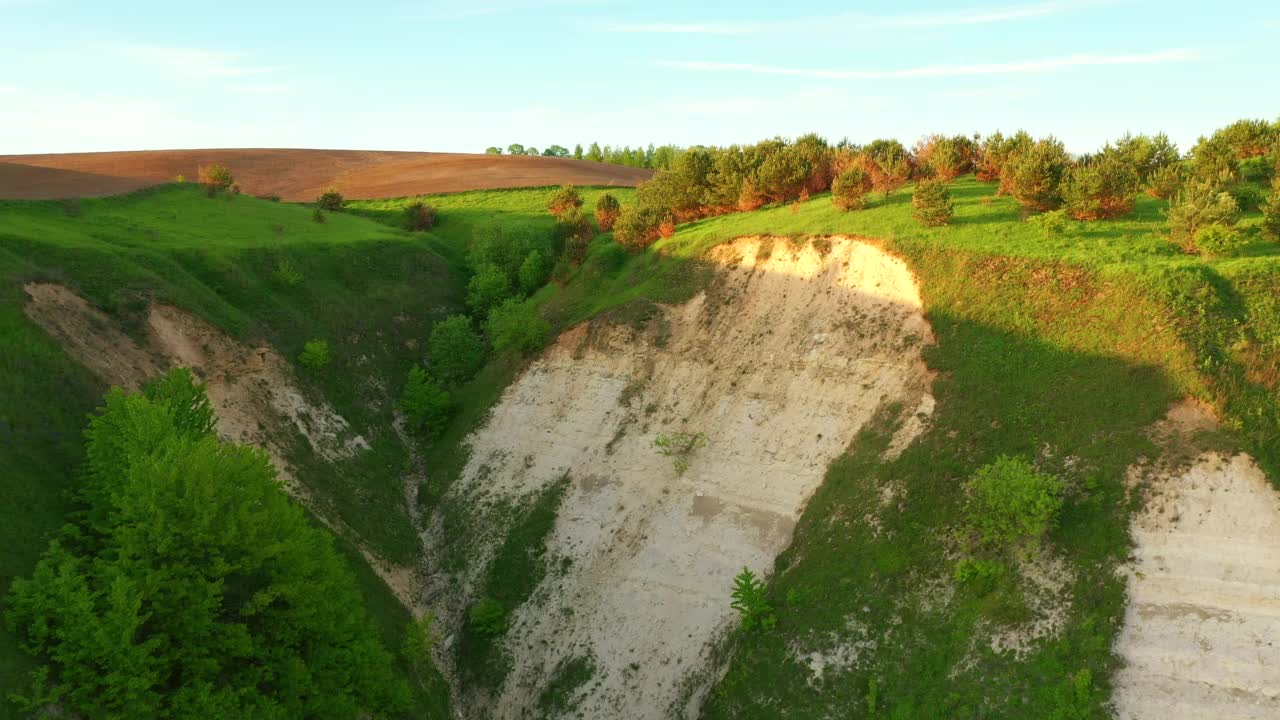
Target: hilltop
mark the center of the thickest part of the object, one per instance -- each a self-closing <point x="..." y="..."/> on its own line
<point x="300" y="175"/>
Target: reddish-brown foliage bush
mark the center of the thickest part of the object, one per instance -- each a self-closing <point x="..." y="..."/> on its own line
<point x="667" y="228"/>
<point x="607" y="210"/>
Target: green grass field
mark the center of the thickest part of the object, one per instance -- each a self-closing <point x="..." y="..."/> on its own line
<point x="1061" y="348"/>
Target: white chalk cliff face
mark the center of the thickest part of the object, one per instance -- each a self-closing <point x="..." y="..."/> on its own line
<point x="779" y="365"/>
<point x="1201" y="635"/>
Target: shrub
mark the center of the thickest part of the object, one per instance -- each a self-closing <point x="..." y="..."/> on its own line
<point x="1199" y="203"/>
<point x="533" y="272"/>
<point x="331" y="200"/>
<point x="637" y="226"/>
<point x="1164" y="182"/>
<point x="317" y="216"/>
<point x="573" y="229"/>
<point x="235" y="188"/>
<point x="679" y="446"/>
<point x="315" y="355"/>
<point x="1035" y="175"/>
<point x="487" y="618"/>
<point x="517" y="326"/>
<point x="932" y="203"/>
<point x="1248" y="196"/>
<point x="215" y="178"/>
<point x="188" y="548"/>
<point x="1011" y="505"/>
<point x="1219" y="240"/>
<point x="666" y="228"/>
<point x="750" y="198"/>
<point x="563" y="200"/>
<point x="1146" y="155"/>
<point x="426" y="404"/>
<point x="419" y="216"/>
<point x="562" y="271"/>
<point x="487" y="288"/>
<point x="946" y="158"/>
<point x="607" y="210"/>
<point x="750" y="602"/>
<point x="1103" y="188"/>
<point x="783" y="174"/>
<point x="1050" y="223"/>
<point x="1271" y="212"/>
<point x="993" y="159"/>
<point x="287" y="273"/>
<point x="850" y="189"/>
<point x="889" y="174"/>
<point x="455" y="349"/>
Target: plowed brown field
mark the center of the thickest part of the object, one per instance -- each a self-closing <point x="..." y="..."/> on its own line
<point x="300" y="174"/>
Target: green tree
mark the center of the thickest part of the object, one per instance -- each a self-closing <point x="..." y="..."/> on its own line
<point x="516" y="325"/>
<point x="533" y="272"/>
<point x="594" y="153"/>
<point x="200" y="590"/>
<point x="577" y="151"/>
<point x="493" y="150"/>
<point x="487" y="288"/>
<point x="637" y="226"/>
<point x="315" y="355"/>
<point x="1035" y="175"/>
<point x="563" y="200"/>
<point x="1011" y="505"/>
<point x="455" y="349"/>
<point x="1200" y="203"/>
<point x="487" y="618"/>
<point x="1102" y="188"/>
<point x="331" y="200"/>
<point x="607" y="210"/>
<point x="850" y="188"/>
<point x="932" y="203"/>
<point x="515" y="149"/>
<point x="427" y="406"/>
<point x="750" y="602"/>
<point x="556" y="151"/>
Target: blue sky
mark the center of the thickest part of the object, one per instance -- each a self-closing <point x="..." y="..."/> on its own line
<point x="452" y="76"/>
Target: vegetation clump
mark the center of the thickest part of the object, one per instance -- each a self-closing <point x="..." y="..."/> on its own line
<point x="1271" y="212"/>
<point x="190" y="563"/>
<point x="1101" y="188"/>
<point x="455" y="349"/>
<point x="426" y="404"/>
<point x="516" y="325"/>
<point x="1011" y="506"/>
<point x="679" y="446"/>
<point x="487" y="618"/>
<point x="331" y="200"/>
<point x="315" y="355"/>
<point x="1034" y="175"/>
<point x="1219" y="240"/>
<point x="850" y="188"/>
<point x="565" y="199"/>
<point x="1200" y="203"/>
<point x="932" y="203"/>
<point x="754" y="610"/>
<point x="1050" y="223"/>
<point x="419" y="216"/>
<point x="215" y="178"/>
<point x="607" y="210"/>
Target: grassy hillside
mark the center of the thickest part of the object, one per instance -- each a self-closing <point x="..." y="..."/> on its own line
<point x="1061" y="349"/>
<point x="261" y="271"/>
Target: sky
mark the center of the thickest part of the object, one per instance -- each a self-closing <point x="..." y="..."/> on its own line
<point x="460" y="76"/>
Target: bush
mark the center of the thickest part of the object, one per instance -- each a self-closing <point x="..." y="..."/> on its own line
<point x="215" y="178"/>
<point x="331" y="200"/>
<point x="993" y="159"/>
<point x="1248" y="196"/>
<point x="287" y="273"/>
<point x="1147" y="155"/>
<point x="1219" y="240"/>
<point x="191" y="563"/>
<point x="317" y="216"/>
<point x="850" y="188"/>
<point x="679" y="446"/>
<point x="426" y="405"/>
<point x="607" y="210"/>
<point x="932" y="203"/>
<point x="1103" y="188"/>
<point x="1164" y="182"/>
<point x="749" y="600"/>
<point x="637" y="226"/>
<point x="1199" y="203"/>
<point x="783" y="174"/>
<point x="533" y="272"/>
<point x="455" y="349"/>
<point x="563" y="200"/>
<point x="573" y="230"/>
<point x="889" y="174"/>
<point x="1050" y="223"/>
<point x="517" y="326"/>
<point x="1011" y="505"/>
<point x="419" y="216"/>
<point x="487" y="618"/>
<point x="487" y="289"/>
<point x="1271" y="212"/>
<point x="315" y="355"/>
<point x="666" y="228"/>
<point x="946" y="158"/>
<point x="1035" y="175"/>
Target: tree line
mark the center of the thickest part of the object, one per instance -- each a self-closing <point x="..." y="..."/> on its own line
<point x="651" y="157"/>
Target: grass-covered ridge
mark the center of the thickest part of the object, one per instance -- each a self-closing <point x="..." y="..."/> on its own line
<point x="260" y="271"/>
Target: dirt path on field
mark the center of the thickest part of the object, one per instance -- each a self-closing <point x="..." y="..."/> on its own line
<point x="1201" y="637"/>
<point x="778" y="364"/>
<point x="252" y="389"/>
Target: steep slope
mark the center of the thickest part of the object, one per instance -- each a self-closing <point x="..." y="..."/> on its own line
<point x="777" y="365"/>
<point x="1201" y="636"/>
<point x="300" y="174"/>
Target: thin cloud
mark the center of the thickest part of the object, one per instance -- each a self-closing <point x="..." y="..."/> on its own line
<point x="928" y="71"/>
<point x="192" y="62"/>
<point x="953" y="18"/>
